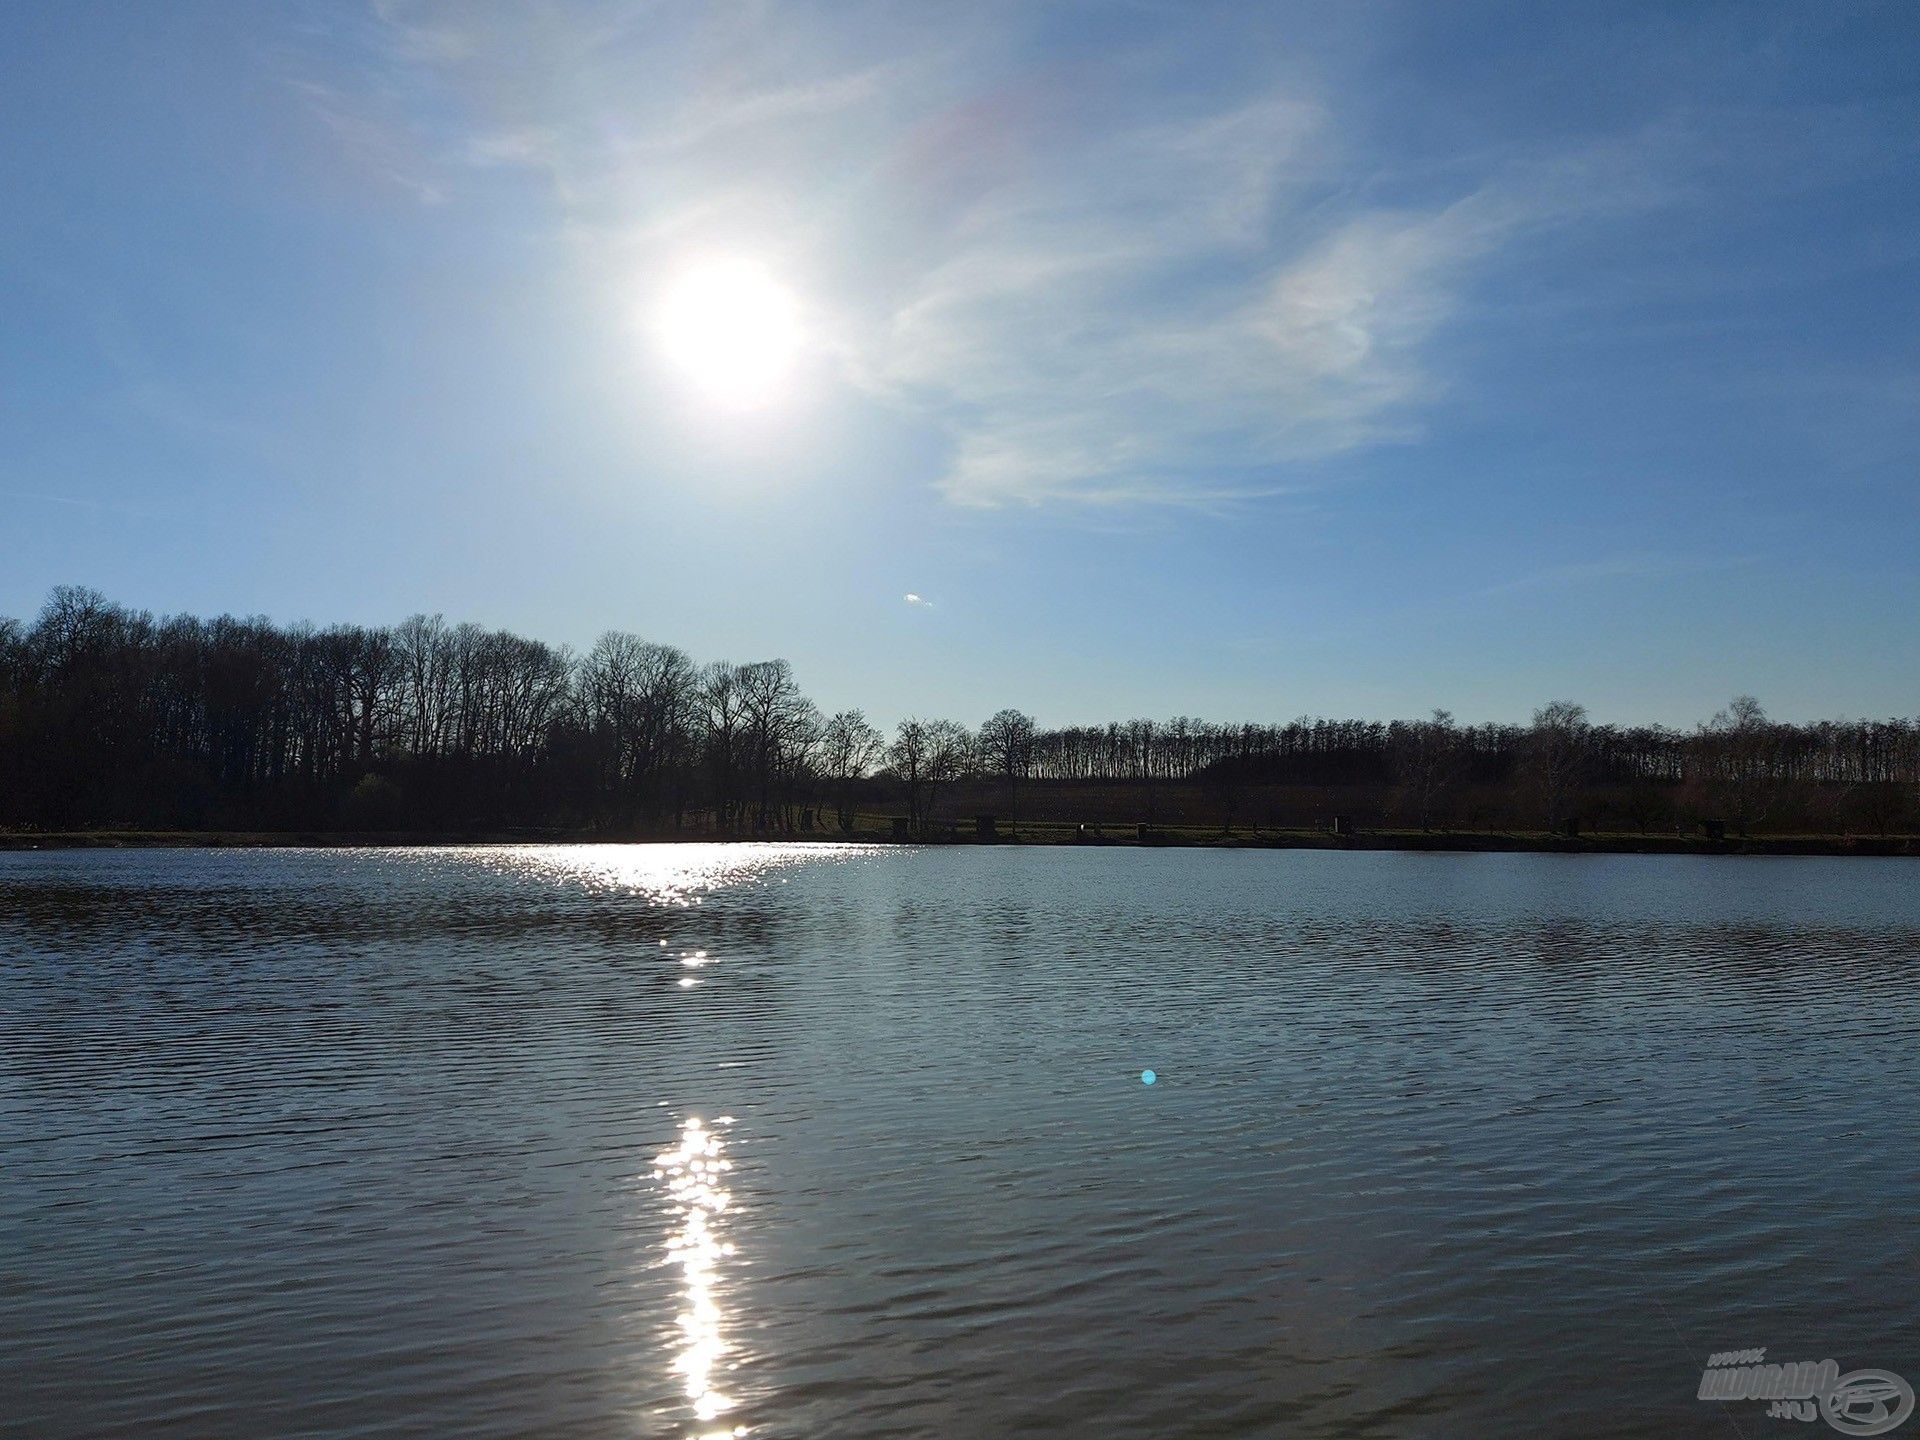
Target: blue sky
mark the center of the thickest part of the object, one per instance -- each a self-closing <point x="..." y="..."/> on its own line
<point x="1244" y="361"/>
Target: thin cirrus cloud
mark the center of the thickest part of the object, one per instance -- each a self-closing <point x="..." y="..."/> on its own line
<point x="1319" y="355"/>
<point x="1091" y="301"/>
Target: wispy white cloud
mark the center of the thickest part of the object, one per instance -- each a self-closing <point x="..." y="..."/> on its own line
<point x="1091" y="383"/>
<point x="383" y="145"/>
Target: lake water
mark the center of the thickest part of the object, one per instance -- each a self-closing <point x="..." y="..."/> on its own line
<point x="844" y="1142"/>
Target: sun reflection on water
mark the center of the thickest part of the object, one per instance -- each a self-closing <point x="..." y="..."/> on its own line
<point x="677" y="875"/>
<point x="694" y="1173"/>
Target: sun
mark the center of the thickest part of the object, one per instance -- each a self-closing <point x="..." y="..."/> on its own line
<point x="732" y="330"/>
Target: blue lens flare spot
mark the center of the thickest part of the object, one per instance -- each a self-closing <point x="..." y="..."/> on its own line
<point x="1147" y="1077"/>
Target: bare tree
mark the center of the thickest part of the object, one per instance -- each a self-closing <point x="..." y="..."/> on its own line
<point x="778" y="723"/>
<point x="907" y="758"/>
<point x="1226" y="781"/>
<point x="1427" y="761"/>
<point x="949" y="756"/>
<point x="1739" y="751"/>
<point x="849" y="750"/>
<point x="1006" y="747"/>
<point x="424" y="652"/>
<point x="1559" y="745"/>
<point x="1140" y="737"/>
<point x="721" y="711"/>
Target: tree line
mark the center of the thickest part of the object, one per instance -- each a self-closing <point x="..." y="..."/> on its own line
<point x="111" y="718"/>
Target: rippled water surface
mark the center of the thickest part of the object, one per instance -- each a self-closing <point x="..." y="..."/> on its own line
<point x="816" y="1142"/>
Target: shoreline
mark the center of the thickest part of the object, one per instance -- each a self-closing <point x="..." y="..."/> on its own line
<point x="1045" y="836"/>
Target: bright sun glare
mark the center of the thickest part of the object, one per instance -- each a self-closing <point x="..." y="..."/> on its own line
<point x="732" y="330"/>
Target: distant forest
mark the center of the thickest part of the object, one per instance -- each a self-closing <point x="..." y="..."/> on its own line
<point x="113" y="719"/>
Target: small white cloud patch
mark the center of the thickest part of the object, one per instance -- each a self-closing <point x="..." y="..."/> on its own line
<point x="913" y="599"/>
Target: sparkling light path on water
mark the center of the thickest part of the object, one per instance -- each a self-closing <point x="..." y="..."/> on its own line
<point x="694" y="1173"/>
